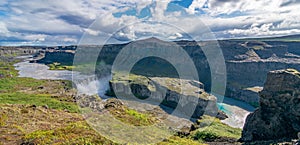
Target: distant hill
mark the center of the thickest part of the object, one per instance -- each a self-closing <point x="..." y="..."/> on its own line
<point x="288" y="38"/>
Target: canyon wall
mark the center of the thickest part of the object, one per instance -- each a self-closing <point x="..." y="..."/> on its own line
<point x="16" y="51"/>
<point x="247" y="63"/>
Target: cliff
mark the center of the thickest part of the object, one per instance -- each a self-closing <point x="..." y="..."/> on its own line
<point x="278" y="116"/>
<point x="8" y="51"/>
<point x="247" y="62"/>
<point x="185" y="95"/>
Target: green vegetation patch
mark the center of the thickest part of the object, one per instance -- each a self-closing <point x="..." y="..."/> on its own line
<point x="58" y="66"/>
<point x="38" y="100"/>
<point x="45" y="126"/>
<point x="3" y="119"/>
<point x="9" y="82"/>
<point x="132" y="79"/>
<point x="139" y="116"/>
<point x="133" y="117"/>
<point x="212" y="129"/>
<point x="175" y="140"/>
<point x="14" y="84"/>
<point x="120" y="76"/>
<point x="7" y="69"/>
<point x="18" y="90"/>
<point x="74" y="133"/>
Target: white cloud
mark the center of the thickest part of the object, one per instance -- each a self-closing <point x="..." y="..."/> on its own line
<point x="66" y="20"/>
<point x="70" y="40"/>
<point x="92" y="32"/>
<point x="3" y="29"/>
<point x="263" y="30"/>
<point x="35" y="37"/>
<point x="125" y="34"/>
<point x="196" y="4"/>
<point x="257" y="18"/>
<point x="229" y="6"/>
<point x="290" y="22"/>
<point x="159" y="10"/>
<point x="176" y="36"/>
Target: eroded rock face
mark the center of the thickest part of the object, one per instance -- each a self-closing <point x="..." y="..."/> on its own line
<point x="279" y="113"/>
<point x="186" y="95"/>
<point x="247" y="62"/>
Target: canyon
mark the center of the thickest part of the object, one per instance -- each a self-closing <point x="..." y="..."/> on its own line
<point x="247" y="62"/>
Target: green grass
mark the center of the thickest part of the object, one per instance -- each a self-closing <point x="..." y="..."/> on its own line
<point x="139" y="116"/>
<point x="175" y="140"/>
<point x="74" y="133"/>
<point x="206" y="135"/>
<point x="132" y="117"/>
<point x="24" y="120"/>
<point x="58" y="66"/>
<point x="212" y="129"/>
<point x="38" y="100"/>
<point x="7" y="68"/>
<point x="14" y="84"/>
<point x="18" y="94"/>
<point x="3" y="118"/>
<point x="17" y="90"/>
<point x="9" y="82"/>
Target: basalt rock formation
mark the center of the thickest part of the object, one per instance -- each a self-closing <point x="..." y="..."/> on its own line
<point x="185" y="95"/>
<point x="247" y="62"/>
<point x="279" y="113"/>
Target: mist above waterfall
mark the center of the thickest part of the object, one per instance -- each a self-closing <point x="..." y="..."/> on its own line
<point x="94" y="86"/>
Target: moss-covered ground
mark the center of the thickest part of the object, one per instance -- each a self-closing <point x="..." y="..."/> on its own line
<point x="212" y="129"/>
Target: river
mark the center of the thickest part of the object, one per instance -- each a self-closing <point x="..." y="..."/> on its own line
<point x="236" y="111"/>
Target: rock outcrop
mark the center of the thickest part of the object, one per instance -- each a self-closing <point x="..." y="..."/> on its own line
<point x="185" y="95"/>
<point x="278" y="116"/>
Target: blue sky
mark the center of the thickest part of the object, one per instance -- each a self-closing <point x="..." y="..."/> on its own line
<point x="64" y="22"/>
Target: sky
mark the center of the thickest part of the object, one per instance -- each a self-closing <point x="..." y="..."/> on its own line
<point x="66" y="22"/>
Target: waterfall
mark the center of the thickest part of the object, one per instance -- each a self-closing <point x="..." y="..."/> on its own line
<point x="94" y="85"/>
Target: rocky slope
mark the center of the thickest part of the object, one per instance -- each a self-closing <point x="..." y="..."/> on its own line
<point x="185" y="95"/>
<point x="279" y="113"/>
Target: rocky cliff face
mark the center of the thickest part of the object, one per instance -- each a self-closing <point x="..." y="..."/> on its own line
<point x="185" y="95"/>
<point x="279" y="113"/>
<point x="16" y="51"/>
<point x="247" y="63"/>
